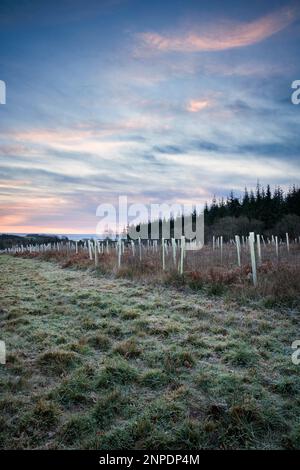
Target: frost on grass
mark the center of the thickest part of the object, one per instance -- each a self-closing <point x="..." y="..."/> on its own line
<point x="110" y="363"/>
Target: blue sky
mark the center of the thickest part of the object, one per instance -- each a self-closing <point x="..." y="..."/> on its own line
<point x="170" y="101"/>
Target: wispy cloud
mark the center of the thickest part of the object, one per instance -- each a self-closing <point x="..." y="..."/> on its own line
<point x="224" y="35"/>
<point x="96" y="121"/>
<point x="194" y="106"/>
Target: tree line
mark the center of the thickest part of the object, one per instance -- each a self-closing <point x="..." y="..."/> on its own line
<point x="262" y="205"/>
<point x="261" y="211"/>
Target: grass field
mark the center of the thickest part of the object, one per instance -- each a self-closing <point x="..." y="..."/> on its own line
<point x="97" y="362"/>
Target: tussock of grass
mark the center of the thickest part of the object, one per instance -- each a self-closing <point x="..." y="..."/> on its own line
<point x="287" y="387"/>
<point x="240" y="355"/>
<point x="117" y="371"/>
<point x="291" y="440"/>
<point x="128" y="348"/>
<point x="89" y="324"/>
<point x="14" y="384"/>
<point x="46" y="413"/>
<point x="75" y="389"/>
<point x="110" y="405"/>
<point x="76" y="429"/>
<point x="98" y="341"/>
<point x="130" y="314"/>
<point x="173" y="360"/>
<point x="154" y="378"/>
<point x="57" y="361"/>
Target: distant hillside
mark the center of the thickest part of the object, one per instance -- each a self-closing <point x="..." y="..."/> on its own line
<point x="9" y="240"/>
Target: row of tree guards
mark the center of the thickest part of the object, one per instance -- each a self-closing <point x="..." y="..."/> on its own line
<point x="97" y="247"/>
<point x="256" y="255"/>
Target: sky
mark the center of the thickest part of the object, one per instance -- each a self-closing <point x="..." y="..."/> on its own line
<point x="163" y="102"/>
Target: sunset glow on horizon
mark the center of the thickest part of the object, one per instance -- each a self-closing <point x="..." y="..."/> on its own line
<point x="162" y="102"/>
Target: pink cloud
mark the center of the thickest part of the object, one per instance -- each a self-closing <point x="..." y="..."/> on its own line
<point x="225" y="35"/>
<point x="194" y="106"/>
